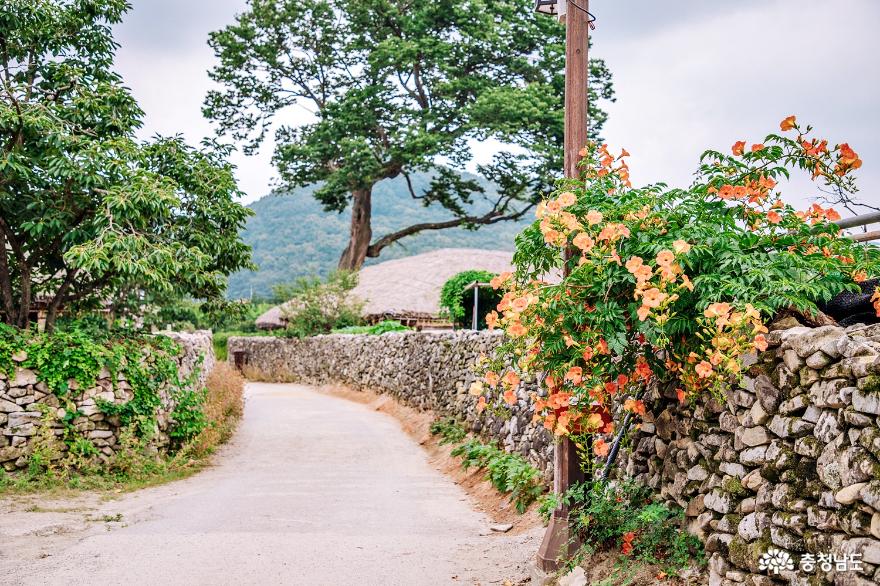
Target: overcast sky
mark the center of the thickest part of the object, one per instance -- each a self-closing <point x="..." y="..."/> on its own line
<point x="689" y="75"/>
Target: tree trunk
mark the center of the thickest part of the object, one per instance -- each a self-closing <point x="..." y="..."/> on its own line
<point x="6" y="283"/>
<point x="361" y="231"/>
<point x="24" y="309"/>
<point x="58" y="299"/>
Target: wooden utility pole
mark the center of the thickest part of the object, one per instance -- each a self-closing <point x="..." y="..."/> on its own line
<point x="558" y="541"/>
<point x="577" y="69"/>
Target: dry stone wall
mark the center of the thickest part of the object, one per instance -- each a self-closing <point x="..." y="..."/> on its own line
<point x="425" y="370"/>
<point x="25" y="402"/>
<point x="791" y="460"/>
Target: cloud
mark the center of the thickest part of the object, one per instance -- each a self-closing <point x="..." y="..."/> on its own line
<point x="164" y="58"/>
<point x="689" y="75"/>
<point x="707" y="81"/>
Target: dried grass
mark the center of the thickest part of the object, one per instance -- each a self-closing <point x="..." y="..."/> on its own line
<point x="223" y="407"/>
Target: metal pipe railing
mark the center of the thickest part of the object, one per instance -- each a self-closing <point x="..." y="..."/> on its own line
<point x="863" y="220"/>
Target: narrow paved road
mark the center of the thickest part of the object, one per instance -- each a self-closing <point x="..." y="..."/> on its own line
<point x="313" y="490"/>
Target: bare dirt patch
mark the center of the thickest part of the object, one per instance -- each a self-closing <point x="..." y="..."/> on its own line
<point x="609" y="568"/>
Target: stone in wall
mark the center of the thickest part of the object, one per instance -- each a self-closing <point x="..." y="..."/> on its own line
<point x="24" y="399"/>
<point x="790" y="460"/>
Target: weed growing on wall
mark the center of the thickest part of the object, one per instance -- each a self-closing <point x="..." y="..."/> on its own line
<point x="145" y="374"/>
<point x="134" y="464"/>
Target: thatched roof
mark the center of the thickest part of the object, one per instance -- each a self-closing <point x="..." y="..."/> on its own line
<point x="411" y="285"/>
<point x="271" y="320"/>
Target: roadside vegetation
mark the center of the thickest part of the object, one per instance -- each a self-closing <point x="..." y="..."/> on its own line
<point x="624" y="520"/>
<point x="135" y="463"/>
<point x="508" y="473"/>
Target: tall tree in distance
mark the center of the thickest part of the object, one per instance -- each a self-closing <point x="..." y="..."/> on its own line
<point x="397" y="87"/>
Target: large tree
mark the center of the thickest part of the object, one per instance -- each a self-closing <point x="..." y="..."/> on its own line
<point x="87" y="212"/>
<point x="395" y="87"/>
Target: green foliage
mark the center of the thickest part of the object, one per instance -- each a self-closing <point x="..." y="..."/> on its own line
<point x="11" y="341"/>
<point x="396" y="88"/>
<point x="188" y="416"/>
<point x="547" y="504"/>
<point x="459" y="304"/>
<point x="88" y="213"/>
<point x="318" y="307"/>
<point x="374" y="330"/>
<point x="75" y="355"/>
<point x="202" y="419"/>
<point x="610" y="515"/>
<point x="449" y="430"/>
<point x="509" y="473"/>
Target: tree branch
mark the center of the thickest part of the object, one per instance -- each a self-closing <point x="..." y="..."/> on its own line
<point x="55" y="304"/>
<point x="492" y="217"/>
<point x="409" y="186"/>
<point x="417" y="74"/>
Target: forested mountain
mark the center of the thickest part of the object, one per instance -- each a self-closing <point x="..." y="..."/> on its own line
<point x="292" y="236"/>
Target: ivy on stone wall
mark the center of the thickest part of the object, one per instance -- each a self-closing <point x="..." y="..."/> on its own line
<point x="144" y="365"/>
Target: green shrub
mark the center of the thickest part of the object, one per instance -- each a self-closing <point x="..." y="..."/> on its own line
<point x="509" y="473"/>
<point x="188" y="416"/>
<point x="201" y="419"/>
<point x="374" y="330"/>
<point x="449" y="430"/>
<point x="460" y="309"/>
<point x="318" y="307"/>
<point x="75" y="354"/>
<point x="624" y="516"/>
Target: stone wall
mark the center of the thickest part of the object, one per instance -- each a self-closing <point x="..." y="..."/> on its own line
<point x="789" y="460"/>
<point x="425" y="370"/>
<point x="25" y="402"/>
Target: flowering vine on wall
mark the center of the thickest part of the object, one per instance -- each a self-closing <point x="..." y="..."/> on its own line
<point x="617" y="288"/>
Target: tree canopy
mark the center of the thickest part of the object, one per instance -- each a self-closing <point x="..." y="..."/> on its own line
<point x="88" y="212"/>
<point x="394" y="88"/>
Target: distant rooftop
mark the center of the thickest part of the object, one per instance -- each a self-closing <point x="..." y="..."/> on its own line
<point x="411" y="285"/>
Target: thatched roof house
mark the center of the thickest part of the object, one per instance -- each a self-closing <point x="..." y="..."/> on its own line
<point x="408" y="289"/>
<point x="271" y="320"/>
